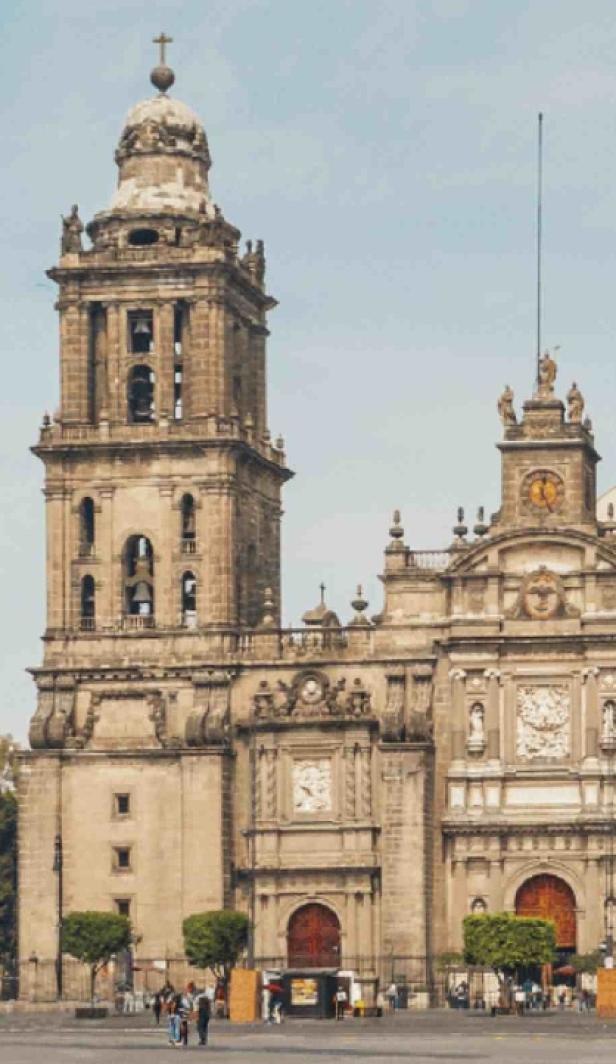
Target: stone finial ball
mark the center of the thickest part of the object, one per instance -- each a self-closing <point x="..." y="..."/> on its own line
<point x="162" y="78"/>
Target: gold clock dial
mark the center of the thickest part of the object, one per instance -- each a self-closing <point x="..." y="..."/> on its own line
<point x="544" y="490"/>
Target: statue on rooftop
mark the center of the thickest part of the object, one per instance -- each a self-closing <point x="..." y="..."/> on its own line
<point x="505" y="407"/>
<point x="575" y="404"/>
<point x="72" y="228"/>
<point x="547" y="374"/>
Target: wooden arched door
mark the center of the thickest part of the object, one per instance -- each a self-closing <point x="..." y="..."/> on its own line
<point x="313" y="938"/>
<point x="550" y="898"/>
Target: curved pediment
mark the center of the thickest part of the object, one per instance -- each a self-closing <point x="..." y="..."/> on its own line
<point x="526" y="550"/>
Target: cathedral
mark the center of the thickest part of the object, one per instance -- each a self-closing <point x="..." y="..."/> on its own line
<point x="356" y="788"/>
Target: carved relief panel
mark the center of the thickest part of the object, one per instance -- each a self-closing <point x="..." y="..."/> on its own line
<point x="543" y="722"/>
<point x="312" y="785"/>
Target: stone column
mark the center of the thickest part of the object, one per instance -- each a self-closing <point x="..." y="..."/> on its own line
<point x="493" y="714"/>
<point x="164" y="349"/>
<point x="219" y="548"/>
<point x="590" y="695"/>
<point x="166" y="593"/>
<point x="117" y="403"/>
<point x="107" y="609"/>
<point x="198" y="400"/>
<point x="257" y="348"/>
<point x="57" y="603"/>
<point x="72" y="369"/>
<point x="458" y="716"/>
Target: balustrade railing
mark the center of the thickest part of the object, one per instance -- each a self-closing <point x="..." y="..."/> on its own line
<point x="429" y="559"/>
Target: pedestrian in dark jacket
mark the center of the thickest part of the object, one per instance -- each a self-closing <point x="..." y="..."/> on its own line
<point x="204" y="1011"/>
<point x="157" y="1006"/>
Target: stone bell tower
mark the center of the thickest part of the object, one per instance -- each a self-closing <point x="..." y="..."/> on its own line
<point x="162" y="490"/>
<point x="162" y="483"/>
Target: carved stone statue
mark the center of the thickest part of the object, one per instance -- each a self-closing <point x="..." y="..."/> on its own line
<point x="547" y="374"/>
<point x="476" y="727"/>
<point x="609" y="721"/>
<point x="505" y="407"/>
<point x="575" y="404"/>
<point x="72" y="228"/>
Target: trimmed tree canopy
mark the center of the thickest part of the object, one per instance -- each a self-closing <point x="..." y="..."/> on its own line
<point x="215" y="939"/>
<point x="505" y="942"/>
<point x="93" y="938"/>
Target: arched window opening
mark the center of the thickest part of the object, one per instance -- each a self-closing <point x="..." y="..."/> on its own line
<point x="139" y="581"/>
<point x="88" y="603"/>
<point x="189" y="600"/>
<point x="313" y="938"/>
<point x="141" y="332"/>
<point x="141" y="238"/>
<point x="86" y="527"/>
<point x="188" y="525"/>
<point x="141" y="394"/>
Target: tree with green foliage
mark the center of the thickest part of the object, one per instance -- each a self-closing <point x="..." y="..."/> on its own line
<point x="508" y="943"/>
<point x="215" y="940"/>
<point x="587" y="963"/>
<point x="8" y="855"/>
<point x="94" y="937"/>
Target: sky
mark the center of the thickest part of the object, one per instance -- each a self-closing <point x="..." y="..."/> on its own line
<point x="385" y="150"/>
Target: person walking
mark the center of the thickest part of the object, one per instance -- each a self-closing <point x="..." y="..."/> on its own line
<point x="204" y="1012"/>
<point x="157" y="1005"/>
<point x="173" y="1023"/>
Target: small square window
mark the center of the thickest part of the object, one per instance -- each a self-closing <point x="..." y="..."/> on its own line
<point x="122" y="858"/>
<point x="122" y="906"/>
<point x="122" y="804"/>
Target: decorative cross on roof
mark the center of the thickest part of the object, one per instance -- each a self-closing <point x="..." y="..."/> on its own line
<point x="162" y="41"/>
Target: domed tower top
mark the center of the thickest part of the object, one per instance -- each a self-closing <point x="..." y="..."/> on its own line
<point x="163" y="155"/>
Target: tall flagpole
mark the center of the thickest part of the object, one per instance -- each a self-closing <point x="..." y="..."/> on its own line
<point x="539" y="234"/>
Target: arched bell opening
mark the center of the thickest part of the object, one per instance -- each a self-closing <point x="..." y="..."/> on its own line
<point x="141" y="395"/>
<point x="189" y="600"/>
<point x="313" y="937"/>
<point x="86" y="526"/>
<point x="188" y="524"/>
<point x="87" y="603"/>
<point x="139" y="577"/>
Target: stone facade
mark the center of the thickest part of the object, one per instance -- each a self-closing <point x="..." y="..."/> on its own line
<point x="187" y="752"/>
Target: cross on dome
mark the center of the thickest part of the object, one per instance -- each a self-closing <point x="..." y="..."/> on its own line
<point x="162" y="76"/>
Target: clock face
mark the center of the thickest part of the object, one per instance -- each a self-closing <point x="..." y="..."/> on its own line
<point x="544" y="491"/>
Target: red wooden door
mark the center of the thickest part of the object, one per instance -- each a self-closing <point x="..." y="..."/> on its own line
<point x="313" y="938"/>
<point x="550" y="898"/>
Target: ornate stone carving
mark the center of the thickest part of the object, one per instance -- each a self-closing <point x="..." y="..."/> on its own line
<point x="542" y="597"/>
<point x="311" y="695"/>
<point x="312" y="786"/>
<point x="392" y="724"/>
<point x="543" y="722"/>
<point x="210" y="723"/>
<point x="52" y="725"/>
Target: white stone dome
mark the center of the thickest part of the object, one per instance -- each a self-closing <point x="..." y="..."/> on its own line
<point x="162" y="109"/>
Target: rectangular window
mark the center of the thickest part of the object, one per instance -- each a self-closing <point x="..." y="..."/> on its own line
<point x="121" y="858"/>
<point x="140" y="332"/>
<point x="121" y="804"/>
<point x="122" y="906"/>
<point x="177" y="392"/>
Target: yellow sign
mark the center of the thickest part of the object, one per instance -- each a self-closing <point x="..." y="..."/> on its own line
<point x="304" y="992"/>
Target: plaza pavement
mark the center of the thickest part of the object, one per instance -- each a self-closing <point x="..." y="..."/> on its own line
<point x="420" y="1037"/>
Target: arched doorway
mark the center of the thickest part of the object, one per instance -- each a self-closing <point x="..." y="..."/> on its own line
<point x="550" y="898"/>
<point x="313" y="938"/>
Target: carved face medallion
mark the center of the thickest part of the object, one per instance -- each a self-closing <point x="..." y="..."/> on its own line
<point x="542" y="596"/>
<point x="311" y="691"/>
<point x="544" y="491"/>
